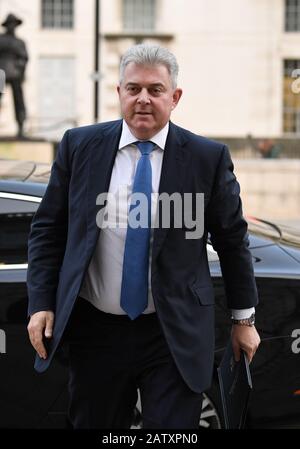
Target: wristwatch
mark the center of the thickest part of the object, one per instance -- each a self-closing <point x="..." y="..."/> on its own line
<point x="245" y="321"/>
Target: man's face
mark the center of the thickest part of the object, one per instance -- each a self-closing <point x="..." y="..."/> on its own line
<point x="147" y="98"/>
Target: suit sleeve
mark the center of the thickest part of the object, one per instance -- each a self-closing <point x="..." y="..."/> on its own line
<point x="48" y="235"/>
<point x="229" y="236"/>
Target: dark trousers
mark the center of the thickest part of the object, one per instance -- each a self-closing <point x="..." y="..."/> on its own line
<point x="18" y="97"/>
<point x="112" y="356"/>
<point x="20" y="111"/>
<point x="19" y="104"/>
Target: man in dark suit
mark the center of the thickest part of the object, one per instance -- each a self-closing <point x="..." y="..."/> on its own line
<point x="135" y="303"/>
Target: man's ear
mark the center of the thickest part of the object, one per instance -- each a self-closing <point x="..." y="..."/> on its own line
<point x="176" y="97"/>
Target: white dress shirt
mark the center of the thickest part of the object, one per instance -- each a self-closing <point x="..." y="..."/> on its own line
<point x="102" y="283"/>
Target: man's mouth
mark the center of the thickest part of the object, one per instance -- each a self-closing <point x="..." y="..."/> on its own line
<point x="143" y="113"/>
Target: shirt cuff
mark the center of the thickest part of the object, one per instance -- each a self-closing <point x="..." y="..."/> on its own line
<point x="241" y="314"/>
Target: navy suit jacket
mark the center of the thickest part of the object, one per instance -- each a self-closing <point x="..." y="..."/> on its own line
<point x="64" y="233"/>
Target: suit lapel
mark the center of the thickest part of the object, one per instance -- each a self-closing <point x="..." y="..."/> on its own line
<point x="103" y="151"/>
<point x="174" y="165"/>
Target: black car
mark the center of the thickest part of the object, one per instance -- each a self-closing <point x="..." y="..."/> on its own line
<point x="31" y="400"/>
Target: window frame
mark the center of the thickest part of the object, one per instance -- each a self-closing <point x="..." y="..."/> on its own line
<point x="141" y="12"/>
<point x="290" y="108"/>
<point x="57" y="15"/>
<point x="292" y="16"/>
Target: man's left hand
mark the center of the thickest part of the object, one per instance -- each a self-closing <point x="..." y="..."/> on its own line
<point x="244" y="338"/>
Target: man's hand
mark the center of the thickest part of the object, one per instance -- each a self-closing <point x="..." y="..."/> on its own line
<point x="245" y="338"/>
<point x="40" y="324"/>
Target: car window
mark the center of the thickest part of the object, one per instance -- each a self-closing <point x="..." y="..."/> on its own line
<point x="15" y="219"/>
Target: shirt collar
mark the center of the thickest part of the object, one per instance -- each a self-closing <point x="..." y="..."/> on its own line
<point x="128" y="138"/>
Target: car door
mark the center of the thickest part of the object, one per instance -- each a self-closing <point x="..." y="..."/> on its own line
<point x="28" y="399"/>
<point x="275" y="400"/>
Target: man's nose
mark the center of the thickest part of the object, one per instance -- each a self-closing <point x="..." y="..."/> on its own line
<point x="143" y="97"/>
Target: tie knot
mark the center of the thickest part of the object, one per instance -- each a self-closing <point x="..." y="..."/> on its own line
<point x="145" y="147"/>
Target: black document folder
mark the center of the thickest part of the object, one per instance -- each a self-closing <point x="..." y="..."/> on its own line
<point x="235" y="386"/>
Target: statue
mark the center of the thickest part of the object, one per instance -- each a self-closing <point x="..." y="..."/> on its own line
<point x="13" y="60"/>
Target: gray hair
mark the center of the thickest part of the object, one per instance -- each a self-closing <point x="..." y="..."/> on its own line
<point x="145" y="54"/>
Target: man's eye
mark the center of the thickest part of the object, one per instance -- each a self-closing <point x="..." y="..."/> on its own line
<point x="132" y="89"/>
<point x="156" y="90"/>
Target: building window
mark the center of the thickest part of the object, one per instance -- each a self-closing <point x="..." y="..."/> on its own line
<point x="56" y="95"/>
<point x="291" y="98"/>
<point x="292" y="15"/>
<point x="139" y="15"/>
<point x="57" y="13"/>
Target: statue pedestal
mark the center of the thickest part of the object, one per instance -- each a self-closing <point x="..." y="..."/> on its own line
<point x="27" y="149"/>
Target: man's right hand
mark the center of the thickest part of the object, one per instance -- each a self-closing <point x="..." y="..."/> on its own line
<point x="40" y="325"/>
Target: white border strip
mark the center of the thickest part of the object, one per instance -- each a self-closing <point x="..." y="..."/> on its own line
<point x="22" y="197"/>
<point x="14" y="266"/>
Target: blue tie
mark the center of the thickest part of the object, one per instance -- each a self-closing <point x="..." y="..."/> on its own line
<point x="134" y="289"/>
